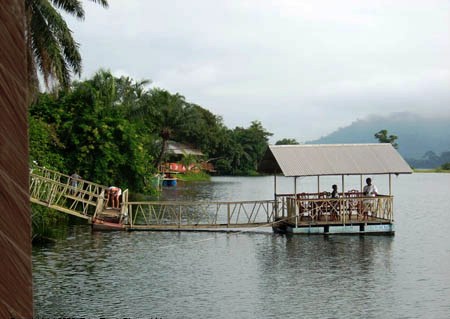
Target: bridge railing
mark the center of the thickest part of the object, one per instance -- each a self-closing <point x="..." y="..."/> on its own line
<point x="58" y="191"/>
<point x="180" y="213"/>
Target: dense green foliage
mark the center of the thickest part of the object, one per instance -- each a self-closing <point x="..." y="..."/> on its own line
<point x="446" y="166"/>
<point x="287" y="141"/>
<point x="47" y="224"/>
<point x="114" y="131"/>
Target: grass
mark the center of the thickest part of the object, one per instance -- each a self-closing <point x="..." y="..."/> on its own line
<point x="430" y="170"/>
<point x="191" y="176"/>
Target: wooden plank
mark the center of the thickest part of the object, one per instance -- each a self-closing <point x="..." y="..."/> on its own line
<point x="59" y="208"/>
<point x="79" y="199"/>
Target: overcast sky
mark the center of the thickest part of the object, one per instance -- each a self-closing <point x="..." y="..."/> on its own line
<point x="302" y="68"/>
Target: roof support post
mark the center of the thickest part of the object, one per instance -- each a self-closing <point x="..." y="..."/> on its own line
<point x="295" y="185"/>
<point x="275" y="186"/>
<point x="275" y="194"/>
<point x="318" y="184"/>
<point x="390" y="184"/>
<point x="343" y="185"/>
<point x="360" y="183"/>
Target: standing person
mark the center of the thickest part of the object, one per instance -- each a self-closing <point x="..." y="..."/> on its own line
<point x="334" y="193"/>
<point x="334" y="205"/>
<point x="370" y="190"/>
<point x="74" y="178"/>
<point x="114" y="193"/>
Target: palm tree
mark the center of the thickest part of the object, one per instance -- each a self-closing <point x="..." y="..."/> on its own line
<point x="51" y="47"/>
<point x="170" y="113"/>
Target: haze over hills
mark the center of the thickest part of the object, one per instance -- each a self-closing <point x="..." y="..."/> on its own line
<point x="416" y="134"/>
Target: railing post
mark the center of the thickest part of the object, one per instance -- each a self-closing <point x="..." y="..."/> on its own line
<point x="130" y="212"/>
<point x="228" y="215"/>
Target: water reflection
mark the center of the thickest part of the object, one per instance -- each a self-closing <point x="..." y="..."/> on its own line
<point x="255" y="275"/>
<point x="327" y="277"/>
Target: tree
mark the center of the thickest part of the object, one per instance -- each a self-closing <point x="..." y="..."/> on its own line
<point x="287" y="141"/>
<point x="383" y="137"/>
<point x="51" y="47"/>
<point x="168" y="113"/>
<point x="86" y="129"/>
<point x="250" y="145"/>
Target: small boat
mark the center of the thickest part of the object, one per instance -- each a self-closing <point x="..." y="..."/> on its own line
<point x="169" y="181"/>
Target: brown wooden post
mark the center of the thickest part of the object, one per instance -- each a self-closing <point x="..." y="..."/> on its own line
<point x="16" y="293"/>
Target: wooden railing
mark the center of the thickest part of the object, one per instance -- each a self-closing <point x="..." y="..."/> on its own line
<point x="58" y="191"/>
<point x="180" y="214"/>
<point x="85" y="199"/>
<point x="343" y="209"/>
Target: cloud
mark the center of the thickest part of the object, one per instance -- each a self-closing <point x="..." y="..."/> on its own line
<point x="303" y="68"/>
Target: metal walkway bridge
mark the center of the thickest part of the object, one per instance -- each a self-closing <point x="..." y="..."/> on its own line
<point x="86" y="200"/>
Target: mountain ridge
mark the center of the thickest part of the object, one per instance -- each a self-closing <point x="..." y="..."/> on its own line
<point x="416" y="134"/>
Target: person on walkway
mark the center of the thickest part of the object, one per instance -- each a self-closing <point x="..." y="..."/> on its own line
<point x="114" y="194"/>
<point x="74" y="178"/>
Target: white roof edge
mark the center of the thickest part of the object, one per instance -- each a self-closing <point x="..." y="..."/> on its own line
<point x="335" y="159"/>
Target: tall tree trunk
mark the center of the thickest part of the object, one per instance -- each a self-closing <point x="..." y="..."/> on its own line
<point x="16" y="293"/>
<point x="161" y="153"/>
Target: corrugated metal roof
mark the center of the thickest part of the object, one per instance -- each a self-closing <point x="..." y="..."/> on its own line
<point x="181" y="149"/>
<point x="333" y="159"/>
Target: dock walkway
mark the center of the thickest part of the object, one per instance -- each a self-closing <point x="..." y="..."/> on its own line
<point x="87" y="200"/>
<point x="310" y="214"/>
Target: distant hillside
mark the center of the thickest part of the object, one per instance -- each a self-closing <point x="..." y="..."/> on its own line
<point x="417" y="135"/>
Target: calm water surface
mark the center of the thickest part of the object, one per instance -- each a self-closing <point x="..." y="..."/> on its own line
<point x="257" y="275"/>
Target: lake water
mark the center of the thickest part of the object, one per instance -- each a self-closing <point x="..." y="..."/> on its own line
<point x="257" y="275"/>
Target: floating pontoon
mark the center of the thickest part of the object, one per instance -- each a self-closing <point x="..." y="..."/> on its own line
<point x="352" y="212"/>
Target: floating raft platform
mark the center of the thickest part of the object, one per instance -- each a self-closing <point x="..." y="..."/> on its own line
<point x="374" y="226"/>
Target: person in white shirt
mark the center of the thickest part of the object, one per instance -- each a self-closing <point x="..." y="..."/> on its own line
<point x="370" y="190"/>
<point x="114" y="192"/>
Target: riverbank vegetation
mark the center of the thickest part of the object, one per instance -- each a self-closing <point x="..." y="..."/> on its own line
<point x="114" y="131"/>
<point x="445" y="168"/>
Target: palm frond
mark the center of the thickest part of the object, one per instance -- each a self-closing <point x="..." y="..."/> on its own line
<point x="55" y="51"/>
<point x="50" y="43"/>
<point x="103" y="3"/>
<point x="73" y="7"/>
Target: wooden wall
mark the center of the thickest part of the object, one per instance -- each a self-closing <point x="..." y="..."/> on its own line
<point x="16" y="295"/>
